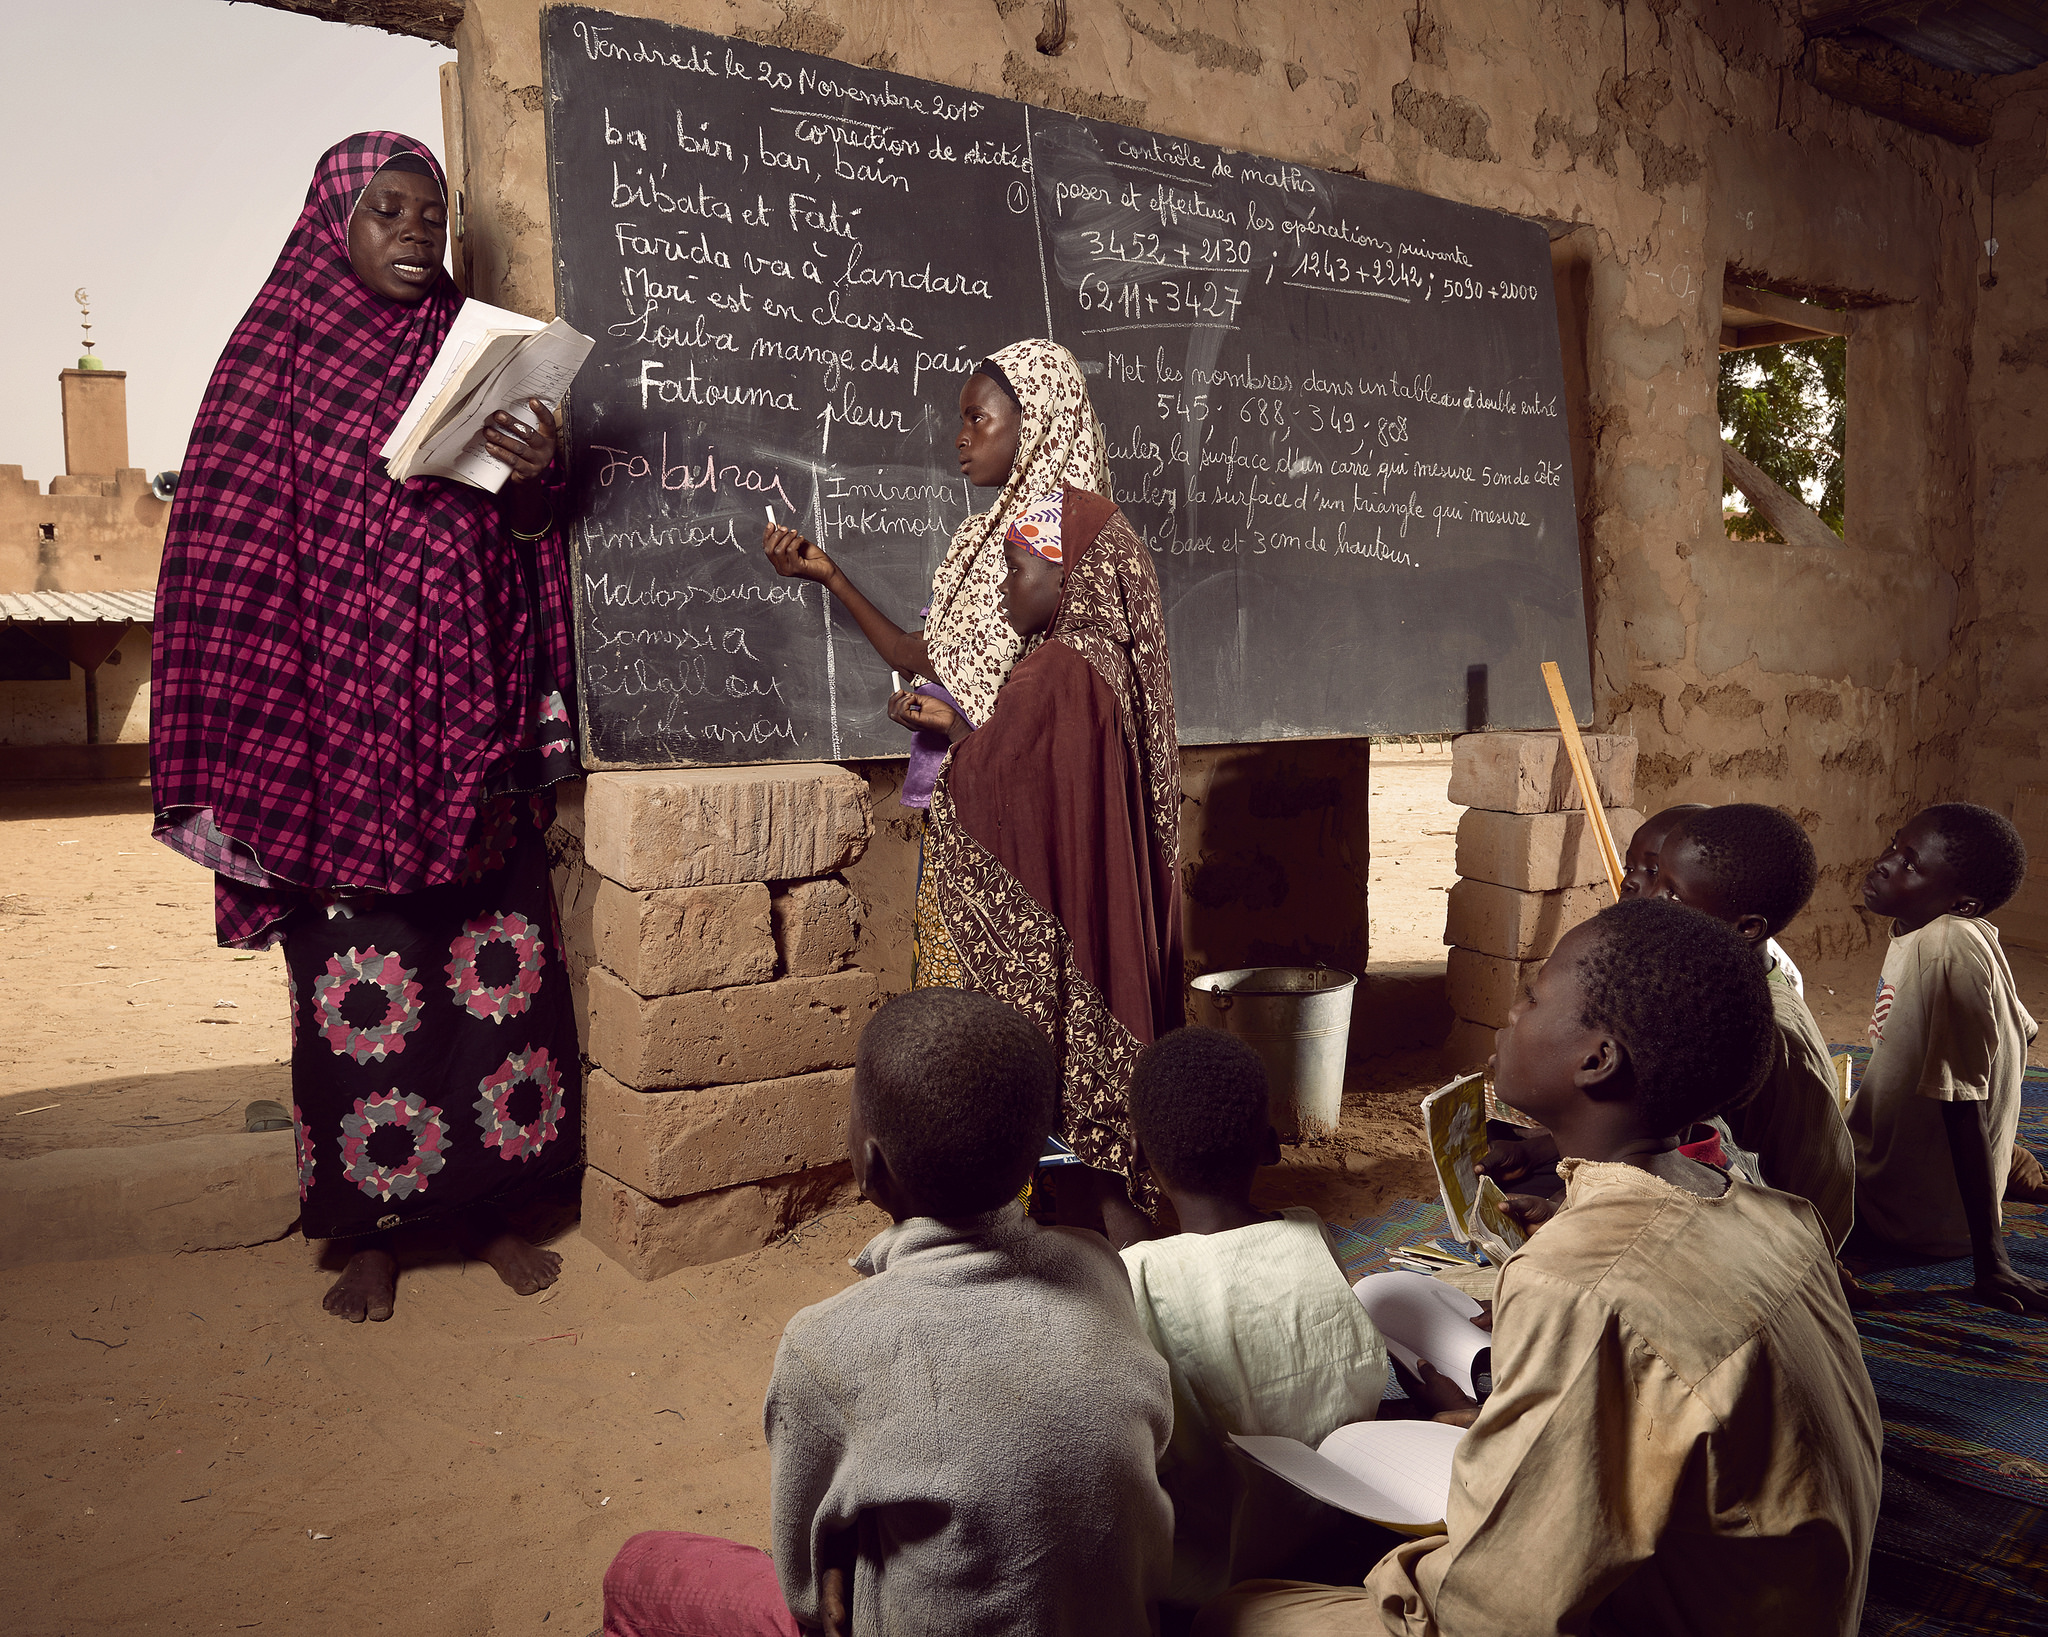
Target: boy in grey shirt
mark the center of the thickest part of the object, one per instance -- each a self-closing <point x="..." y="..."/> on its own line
<point x="967" y="1440"/>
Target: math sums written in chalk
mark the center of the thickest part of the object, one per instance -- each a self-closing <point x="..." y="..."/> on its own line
<point x="1217" y="300"/>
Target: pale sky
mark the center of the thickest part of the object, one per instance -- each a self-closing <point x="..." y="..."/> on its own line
<point x="157" y="153"/>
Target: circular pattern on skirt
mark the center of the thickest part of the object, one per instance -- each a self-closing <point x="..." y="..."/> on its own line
<point x="401" y="1004"/>
<point x="512" y="1140"/>
<point x="302" y="1140"/>
<point x="392" y="1108"/>
<point x="557" y="736"/>
<point x="496" y="1002"/>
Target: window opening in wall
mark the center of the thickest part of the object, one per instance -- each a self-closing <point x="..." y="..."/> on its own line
<point x="46" y="531"/>
<point x="1783" y="402"/>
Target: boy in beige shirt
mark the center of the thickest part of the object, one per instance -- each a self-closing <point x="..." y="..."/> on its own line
<point x="1681" y="1435"/>
<point x="1939" y="1104"/>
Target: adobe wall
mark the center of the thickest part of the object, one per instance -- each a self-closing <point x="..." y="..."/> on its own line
<point x="1664" y="142"/>
<point x="2003" y="667"/>
<point x="53" y="713"/>
<point x="107" y="532"/>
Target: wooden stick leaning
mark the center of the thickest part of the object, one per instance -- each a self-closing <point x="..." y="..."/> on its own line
<point x="1582" y="770"/>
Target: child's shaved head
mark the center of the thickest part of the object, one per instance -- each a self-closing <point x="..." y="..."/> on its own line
<point x="1198" y="1108"/>
<point x="1687" y="1000"/>
<point x="1752" y="859"/>
<point x="1983" y="848"/>
<point x="960" y="1092"/>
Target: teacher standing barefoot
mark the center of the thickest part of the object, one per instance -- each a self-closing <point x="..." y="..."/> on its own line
<point x="357" y="710"/>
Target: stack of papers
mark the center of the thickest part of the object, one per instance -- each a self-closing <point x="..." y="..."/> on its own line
<point x="491" y="360"/>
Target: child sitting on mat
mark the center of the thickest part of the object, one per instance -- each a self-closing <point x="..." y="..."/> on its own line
<point x="1938" y="1106"/>
<point x="1681" y="1435"/>
<point x="1250" y="1309"/>
<point x="968" y="1439"/>
<point x="1752" y="867"/>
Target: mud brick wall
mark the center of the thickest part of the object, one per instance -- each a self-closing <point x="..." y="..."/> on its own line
<point x="709" y="936"/>
<point x="1672" y="150"/>
<point x="1529" y="868"/>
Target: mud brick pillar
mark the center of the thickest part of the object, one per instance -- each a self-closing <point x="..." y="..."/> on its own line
<point x="1529" y="868"/>
<point x="708" y="938"/>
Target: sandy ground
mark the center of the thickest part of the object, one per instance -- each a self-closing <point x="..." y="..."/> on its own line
<point x="1414" y="843"/>
<point x="139" y="1026"/>
<point x="187" y="1444"/>
<point x="178" y="1430"/>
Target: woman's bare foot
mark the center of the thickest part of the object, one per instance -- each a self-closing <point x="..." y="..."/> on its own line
<point x="367" y="1288"/>
<point x="525" y="1267"/>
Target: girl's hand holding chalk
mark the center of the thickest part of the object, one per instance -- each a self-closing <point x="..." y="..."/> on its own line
<point x="792" y="556"/>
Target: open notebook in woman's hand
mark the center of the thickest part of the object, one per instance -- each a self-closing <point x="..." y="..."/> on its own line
<point x="490" y="360"/>
<point x="1393" y="1473"/>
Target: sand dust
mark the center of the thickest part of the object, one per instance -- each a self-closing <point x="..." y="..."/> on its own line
<point x="178" y="1429"/>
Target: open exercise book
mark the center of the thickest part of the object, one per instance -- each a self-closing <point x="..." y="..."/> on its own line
<point x="1394" y="1473"/>
<point x="1424" y="1318"/>
<point x="1454" y="1121"/>
<point x="491" y="360"/>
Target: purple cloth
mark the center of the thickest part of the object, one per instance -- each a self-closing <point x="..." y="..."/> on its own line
<point x="345" y="668"/>
<point x="668" y="1584"/>
<point x="928" y="749"/>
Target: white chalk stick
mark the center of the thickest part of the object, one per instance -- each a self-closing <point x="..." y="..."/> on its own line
<point x="770" y="510"/>
<point x="895" y="683"/>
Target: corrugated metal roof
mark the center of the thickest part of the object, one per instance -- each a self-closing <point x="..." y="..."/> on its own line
<point x="1971" y="36"/>
<point x="79" y="607"/>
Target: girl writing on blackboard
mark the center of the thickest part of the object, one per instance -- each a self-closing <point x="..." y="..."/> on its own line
<point x="1026" y="428"/>
<point x="356" y="715"/>
<point x="1049" y="870"/>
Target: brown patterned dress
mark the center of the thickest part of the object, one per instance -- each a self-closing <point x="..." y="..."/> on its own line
<point x="1051" y="855"/>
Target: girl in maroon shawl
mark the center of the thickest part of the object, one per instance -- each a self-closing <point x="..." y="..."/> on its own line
<point x="1051" y="862"/>
<point x="357" y="710"/>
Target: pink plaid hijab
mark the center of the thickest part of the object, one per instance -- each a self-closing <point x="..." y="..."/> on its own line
<point x="345" y="668"/>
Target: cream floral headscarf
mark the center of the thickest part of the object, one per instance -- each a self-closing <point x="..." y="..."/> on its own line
<point x="1061" y="442"/>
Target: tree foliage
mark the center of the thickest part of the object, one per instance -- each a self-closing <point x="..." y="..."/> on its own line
<point x="1785" y="407"/>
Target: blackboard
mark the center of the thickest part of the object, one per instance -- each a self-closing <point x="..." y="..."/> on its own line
<point x="1334" y="408"/>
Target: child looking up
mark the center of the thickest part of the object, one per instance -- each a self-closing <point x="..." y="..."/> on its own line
<point x="1939" y="1103"/>
<point x="1643" y="865"/>
<point x="1254" y="1317"/>
<point x="1682" y="1436"/>
<point x="967" y="1440"/>
<point x="1753" y="868"/>
<point x="1646" y="846"/>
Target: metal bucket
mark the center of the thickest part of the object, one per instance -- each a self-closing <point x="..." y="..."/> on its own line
<point x="1298" y="1019"/>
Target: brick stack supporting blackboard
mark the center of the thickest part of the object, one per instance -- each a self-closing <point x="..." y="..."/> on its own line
<point x="708" y="940"/>
<point x="1529" y="868"/>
